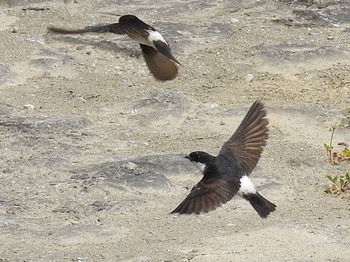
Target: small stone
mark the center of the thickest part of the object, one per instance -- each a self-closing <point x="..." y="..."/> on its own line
<point x="130" y="166"/>
<point x="99" y="206"/>
<point x="82" y="176"/>
<point x="80" y="47"/>
<point x="29" y="106"/>
<point x="127" y="83"/>
<point x="36" y="40"/>
<point x="249" y="77"/>
<point x="7" y="170"/>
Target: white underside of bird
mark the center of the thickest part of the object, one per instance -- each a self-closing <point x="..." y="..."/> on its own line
<point x="247" y="186"/>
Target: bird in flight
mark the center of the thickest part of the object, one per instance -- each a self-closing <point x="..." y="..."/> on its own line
<point x="227" y="173"/>
<point x="155" y="50"/>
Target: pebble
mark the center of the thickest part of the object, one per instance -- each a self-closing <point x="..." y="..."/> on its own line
<point x="29" y="106"/>
<point x="249" y="77"/>
<point x="130" y="166"/>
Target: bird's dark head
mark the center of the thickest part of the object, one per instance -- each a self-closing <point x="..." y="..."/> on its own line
<point x="134" y="21"/>
<point x="128" y="18"/>
<point x="200" y="156"/>
<point x="200" y="159"/>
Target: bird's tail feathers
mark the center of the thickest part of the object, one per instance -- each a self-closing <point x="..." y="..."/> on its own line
<point x="261" y="205"/>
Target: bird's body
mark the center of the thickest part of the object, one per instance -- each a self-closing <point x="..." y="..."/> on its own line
<point x="227" y="174"/>
<point x="155" y="49"/>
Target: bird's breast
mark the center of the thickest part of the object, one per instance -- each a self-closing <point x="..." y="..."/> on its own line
<point x="199" y="165"/>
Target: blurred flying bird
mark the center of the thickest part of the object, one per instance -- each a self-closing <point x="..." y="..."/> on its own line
<point x="155" y="50"/>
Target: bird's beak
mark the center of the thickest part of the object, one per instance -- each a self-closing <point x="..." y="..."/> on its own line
<point x="187" y="157"/>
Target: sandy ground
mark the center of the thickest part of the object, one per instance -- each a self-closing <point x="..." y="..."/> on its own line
<point x="92" y="145"/>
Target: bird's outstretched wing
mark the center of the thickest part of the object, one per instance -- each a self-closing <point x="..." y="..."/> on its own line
<point x="246" y="144"/>
<point x="164" y="49"/>
<point x="128" y="24"/>
<point x="103" y="28"/>
<point x="208" y="195"/>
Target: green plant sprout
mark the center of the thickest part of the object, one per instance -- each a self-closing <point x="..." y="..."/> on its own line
<point x="340" y="184"/>
<point x="334" y="157"/>
<point x="329" y="147"/>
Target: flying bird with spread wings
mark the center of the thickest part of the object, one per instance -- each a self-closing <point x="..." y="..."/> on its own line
<point x="156" y="51"/>
<point x="226" y="174"/>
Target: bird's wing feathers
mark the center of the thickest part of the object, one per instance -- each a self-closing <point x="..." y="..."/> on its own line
<point x="246" y="144"/>
<point x="164" y="49"/>
<point x="135" y="32"/>
<point x="115" y="28"/>
<point x="103" y="28"/>
<point x="208" y="195"/>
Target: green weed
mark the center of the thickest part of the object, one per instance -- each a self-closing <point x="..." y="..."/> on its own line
<point x="340" y="183"/>
<point x="336" y="157"/>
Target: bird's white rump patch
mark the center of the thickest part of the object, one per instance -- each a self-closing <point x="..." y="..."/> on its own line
<point x="247" y="186"/>
<point x="155" y="36"/>
<point x="152" y="36"/>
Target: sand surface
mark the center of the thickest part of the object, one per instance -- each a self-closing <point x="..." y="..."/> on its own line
<point x="92" y="146"/>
